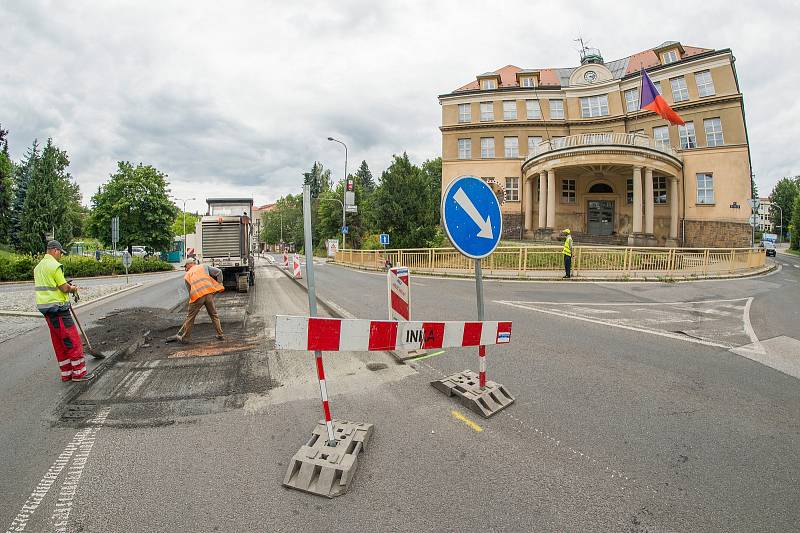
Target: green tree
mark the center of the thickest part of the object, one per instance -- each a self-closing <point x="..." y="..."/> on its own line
<point x="6" y="185"/>
<point x="285" y="221"/>
<point x="50" y="202"/>
<point x="191" y="220"/>
<point x="22" y="178"/>
<point x="783" y="195"/>
<point x="795" y="227"/>
<point x="403" y="206"/>
<point x="319" y="178"/>
<point x="139" y="196"/>
<point x="363" y="179"/>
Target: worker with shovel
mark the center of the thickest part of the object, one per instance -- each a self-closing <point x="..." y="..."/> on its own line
<point x="52" y="299"/>
<point x="202" y="286"/>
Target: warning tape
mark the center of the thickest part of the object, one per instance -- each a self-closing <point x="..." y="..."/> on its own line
<point x="359" y="335"/>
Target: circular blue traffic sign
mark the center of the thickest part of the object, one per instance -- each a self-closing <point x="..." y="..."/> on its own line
<point x="471" y="216"/>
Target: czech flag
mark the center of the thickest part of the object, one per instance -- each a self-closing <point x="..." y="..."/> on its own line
<point x="652" y="101"/>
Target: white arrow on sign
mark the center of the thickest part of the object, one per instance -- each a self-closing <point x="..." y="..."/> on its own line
<point x="466" y="204"/>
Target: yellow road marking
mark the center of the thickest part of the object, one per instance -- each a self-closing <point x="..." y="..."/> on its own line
<point x="472" y="425"/>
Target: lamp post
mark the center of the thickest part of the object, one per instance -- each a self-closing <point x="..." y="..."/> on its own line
<point x="344" y="185"/>
<point x="184" y="200"/>
<point x="780" y="233"/>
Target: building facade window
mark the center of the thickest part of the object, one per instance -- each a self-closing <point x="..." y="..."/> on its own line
<point x="661" y="136"/>
<point x="568" y="191"/>
<point x="629" y="191"/>
<point x="487" y="147"/>
<point x="632" y="100"/>
<point x="705" y="85"/>
<point x="713" y="127"/>
<point x="511" y="146"/>
<point x="512" y="189"/>
<point x="464" y="113"/>
<point x="533" y="142"/>
<point x="669" y="57"/>
<point x="705" y="188"/>
<point x="594" y="106"/>
<point x="559" y="142"/>
<point x="659" y="189"/>
<point x="680" y="92"/>
<point x="488" y="85"/>
<point x="465" y="148"/>
<point x="556" y="109"/>
<point x="529" y="81"/>
<point x="657" y="85"/>
<point x="509" y="110"/>
<point x="487" y="111"/>
<point x="687" y="136"/>
<point x="534" y="110"/>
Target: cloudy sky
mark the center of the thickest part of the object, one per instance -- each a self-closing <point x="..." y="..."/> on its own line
<point x="239" y="97"/>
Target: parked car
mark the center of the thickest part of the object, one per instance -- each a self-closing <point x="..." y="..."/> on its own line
<point x="769" y="248"/>
<point x="138" y="251"/>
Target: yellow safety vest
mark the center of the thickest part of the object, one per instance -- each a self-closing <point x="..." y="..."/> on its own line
<point x="47" y="277"/>
<point x="567" y="249"/>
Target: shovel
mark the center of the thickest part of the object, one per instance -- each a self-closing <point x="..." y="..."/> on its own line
<point x="91" y="351"/>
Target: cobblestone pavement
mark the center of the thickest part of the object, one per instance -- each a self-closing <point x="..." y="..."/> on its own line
<point x="11" y="326"/>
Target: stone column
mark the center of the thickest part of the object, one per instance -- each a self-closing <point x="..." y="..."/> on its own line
<point x="528" y="203"/>
<point x="542" y="200"/>
<point x="648" y="201"/>
<point x="551" y="199"/>
<point x="637" y="200"/>
<point x="673" y="208"/>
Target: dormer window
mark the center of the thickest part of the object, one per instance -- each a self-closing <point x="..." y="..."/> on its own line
<point x="668" y="57"/>
<point x="488" y="85"/>
<point x="528" y="81"/>
<point x="528" y="78"/>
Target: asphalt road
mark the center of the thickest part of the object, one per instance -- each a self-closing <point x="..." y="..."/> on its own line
<point x="639" y="407"/>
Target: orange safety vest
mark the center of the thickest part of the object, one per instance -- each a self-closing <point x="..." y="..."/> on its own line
<point x="200" y="283"/>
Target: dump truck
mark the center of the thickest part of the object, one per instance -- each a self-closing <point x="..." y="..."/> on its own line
<point x="224" y="237"/>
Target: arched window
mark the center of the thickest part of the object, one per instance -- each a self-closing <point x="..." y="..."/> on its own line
<point x="601" y="188"/>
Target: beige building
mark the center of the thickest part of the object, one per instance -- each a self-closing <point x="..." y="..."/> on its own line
<point x="569" y="148"/>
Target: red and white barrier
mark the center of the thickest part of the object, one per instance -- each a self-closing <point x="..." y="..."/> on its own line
<point x="399" y="283"/>
<point x="285" y="259"/>
<point x="358" y="335"/>
<point x="296" y="267"/>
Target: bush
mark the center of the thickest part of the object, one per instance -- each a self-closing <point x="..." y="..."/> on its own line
<point x="20" y="267"/>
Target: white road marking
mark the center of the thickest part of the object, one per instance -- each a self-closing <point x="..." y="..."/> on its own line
<point x="748" y="328"/>
<point x="617" y="325"/>
<point x="632" y="303"/>
<point x="82" y="442"/>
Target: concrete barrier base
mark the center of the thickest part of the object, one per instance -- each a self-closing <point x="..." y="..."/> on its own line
<point x="466" y="385"/>
<point x="326" y="470"/>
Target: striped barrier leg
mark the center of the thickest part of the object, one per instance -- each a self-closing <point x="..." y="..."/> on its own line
<point x="323" y="392"/>
<point x="482" y="357"/>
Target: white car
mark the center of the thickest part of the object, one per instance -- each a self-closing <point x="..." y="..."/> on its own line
<point x="138" y="251"/>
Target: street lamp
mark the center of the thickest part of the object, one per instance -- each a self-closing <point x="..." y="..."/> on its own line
<point x="780" y="233"/>
<point x="184" y="200"/>
<point x="344" y="185"/>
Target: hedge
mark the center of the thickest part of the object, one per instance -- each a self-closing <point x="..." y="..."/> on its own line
<point x="20" y="267"/>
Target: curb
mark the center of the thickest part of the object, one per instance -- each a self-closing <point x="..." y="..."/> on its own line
<point x="110" y="276"/>
<point x="576" y="278"/>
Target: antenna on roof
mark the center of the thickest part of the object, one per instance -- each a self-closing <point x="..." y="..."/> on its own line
<point x="588" y="55"/>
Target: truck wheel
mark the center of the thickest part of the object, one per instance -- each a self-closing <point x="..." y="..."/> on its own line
<point x="241" y="283"/>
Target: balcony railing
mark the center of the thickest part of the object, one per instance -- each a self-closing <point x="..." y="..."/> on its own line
<point x="593" y="139"/>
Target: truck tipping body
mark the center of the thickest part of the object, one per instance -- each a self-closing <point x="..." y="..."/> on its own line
<point x="225" y="240"/>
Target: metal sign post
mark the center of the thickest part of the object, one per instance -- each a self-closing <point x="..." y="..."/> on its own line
<point x="127" y="260"/>
<point x="115" y="233"/>
<point x="312" y="308"/>
<point x="481" y="348"/>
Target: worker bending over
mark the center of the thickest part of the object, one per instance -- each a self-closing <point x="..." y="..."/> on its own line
<point x="202" y="286"/>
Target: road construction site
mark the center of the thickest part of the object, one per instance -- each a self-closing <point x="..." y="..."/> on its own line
<point x="621" y="422"/>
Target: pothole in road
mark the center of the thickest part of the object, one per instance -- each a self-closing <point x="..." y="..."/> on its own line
<point x="377" y="366"/>
<point x="161" y="383"/>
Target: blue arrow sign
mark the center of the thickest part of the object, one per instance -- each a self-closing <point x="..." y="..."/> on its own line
<point x="471" y="215"/>
<point x="384" y="238"/>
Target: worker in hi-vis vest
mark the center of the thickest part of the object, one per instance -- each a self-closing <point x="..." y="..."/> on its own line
<point x="202" y="286"/>
<point x="567" y="251"/>
<point x="52" y="300"/>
